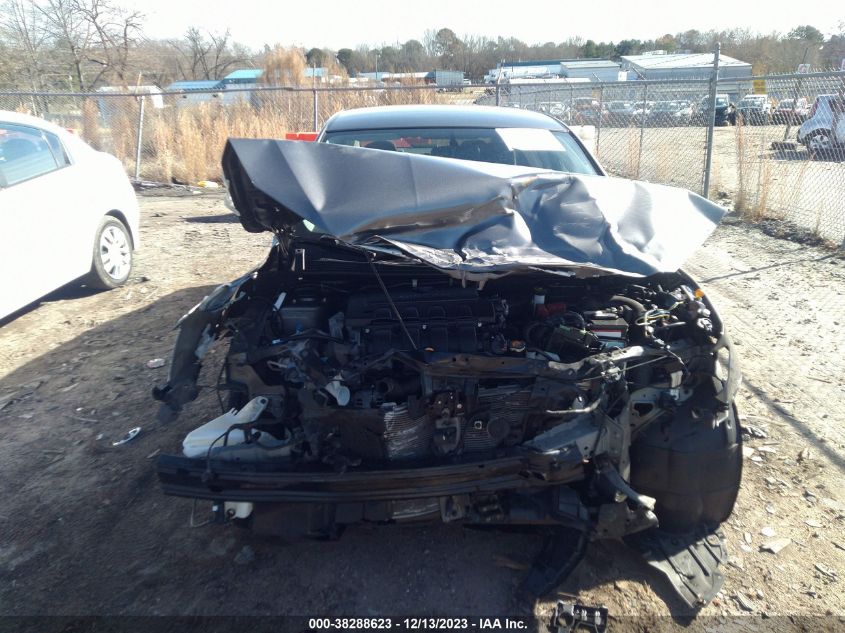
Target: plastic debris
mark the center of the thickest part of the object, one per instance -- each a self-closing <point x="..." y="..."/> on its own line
<point x="208" y="184"/>
<point x="754" y="431"/>
<point x="744" y="602"/>
<point x="130" y="435"/>
<point x="775" y="546"/>
<point x="245" y="556"/>
<point x="768" y="531"/>
<point x="155" y="363"/>
<point x="571" y="616"/>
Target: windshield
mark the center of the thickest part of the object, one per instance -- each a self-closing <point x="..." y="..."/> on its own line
<point x="529" y="147"/>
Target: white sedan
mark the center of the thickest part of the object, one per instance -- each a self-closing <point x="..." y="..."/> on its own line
<point x="67" y="212"/>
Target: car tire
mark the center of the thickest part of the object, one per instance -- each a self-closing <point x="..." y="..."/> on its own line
<point x="819" y="143"/>
<point x="111" y="260"/>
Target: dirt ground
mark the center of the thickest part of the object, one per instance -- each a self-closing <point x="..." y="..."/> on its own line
<point x="84" y="528"/>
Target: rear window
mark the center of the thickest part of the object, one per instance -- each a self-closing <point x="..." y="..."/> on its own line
<point x="544" y="149"/>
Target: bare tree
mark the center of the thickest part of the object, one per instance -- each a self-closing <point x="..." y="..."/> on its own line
<point x="93" y="38"/>
<point x="115" y="34"/>
<point x="70" y="32"/>
<point x="208" y="55"/>
<point x="26" y="42"/>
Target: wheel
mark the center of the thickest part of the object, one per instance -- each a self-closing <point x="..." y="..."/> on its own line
<point x="819" y="142"/>
<point x="111" y="261"/>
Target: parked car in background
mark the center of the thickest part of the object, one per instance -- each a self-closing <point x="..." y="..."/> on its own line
<point x="556" y="109"/>
<point x="824" y="129"/>
<point x="755" y="110"/>
<point x="67" y="212"/>
<point x="620" y="113"/>
<point x="592" y="116"/>
<point x="584" y="103"/>
<point x="447" y="340"/>
<point x="725" y="111"/>
<point x="670" y="114"/>
<point x="794" y="111"/>
<point x="641" y="110"/>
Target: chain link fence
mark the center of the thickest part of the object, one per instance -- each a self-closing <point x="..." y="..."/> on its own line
<point x="648" y="130"/>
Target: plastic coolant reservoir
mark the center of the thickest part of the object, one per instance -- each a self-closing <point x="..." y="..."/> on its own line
<point x="198" y="441"/>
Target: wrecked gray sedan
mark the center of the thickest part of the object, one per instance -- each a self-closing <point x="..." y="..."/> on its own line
<point x="433" y="339"/>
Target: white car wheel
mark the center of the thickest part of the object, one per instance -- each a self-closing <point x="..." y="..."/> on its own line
<point x="112" y="258"/>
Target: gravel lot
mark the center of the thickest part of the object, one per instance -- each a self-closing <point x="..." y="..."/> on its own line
<point x="791" y="185"/>
<point x="87" y="531"/>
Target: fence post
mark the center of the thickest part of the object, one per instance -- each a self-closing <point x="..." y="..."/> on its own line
<point x="140" y="138"/>
<point x="642" y="130"/>
<point x="601" y="113"/>
<point x="316" y="121"/>
<point x="711" y="123"/>
<point x="795" y="97"/>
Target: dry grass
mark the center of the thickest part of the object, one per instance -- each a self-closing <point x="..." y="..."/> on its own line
<point x="184" y="142"/>
<point x="743" y="200"/>
<point x="91" y="124"/>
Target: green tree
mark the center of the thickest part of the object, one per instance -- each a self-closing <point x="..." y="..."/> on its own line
<point x="628" y="47"/>
<point x="412" y="56"/>
<point x="447" y="47"/>
<point x="316" y="57"/>
<point x="806" y="33"/>
<point x="344" y="56"/>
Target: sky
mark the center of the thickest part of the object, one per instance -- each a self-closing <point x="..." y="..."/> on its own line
<point x="337" y="24"/>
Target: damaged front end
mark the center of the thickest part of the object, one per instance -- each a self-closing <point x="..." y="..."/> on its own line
<point x="365" y="383"/>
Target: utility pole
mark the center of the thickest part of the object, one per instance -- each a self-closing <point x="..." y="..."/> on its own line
<point x="711" y="123"/>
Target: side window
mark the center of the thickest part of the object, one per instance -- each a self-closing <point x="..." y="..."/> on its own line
<point x="27" y="152"/>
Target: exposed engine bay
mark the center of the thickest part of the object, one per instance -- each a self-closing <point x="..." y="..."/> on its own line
<point x="365" y="384"/>
<point x="340" y="363"/>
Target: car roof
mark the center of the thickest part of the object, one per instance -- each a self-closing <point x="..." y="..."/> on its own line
<point x="439" y="116"/>
<point x="8" y="116"/>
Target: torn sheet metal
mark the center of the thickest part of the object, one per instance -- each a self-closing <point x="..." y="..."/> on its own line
<point x="467" y="216"/>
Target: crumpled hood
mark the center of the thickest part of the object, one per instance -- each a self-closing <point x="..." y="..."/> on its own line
<point x="467" y="217"/>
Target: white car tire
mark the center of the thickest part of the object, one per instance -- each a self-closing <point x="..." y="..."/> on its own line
<point x="819" y="142"/>
<point x="111" y="262"/>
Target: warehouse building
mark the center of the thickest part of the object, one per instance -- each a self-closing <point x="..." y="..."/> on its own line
<point x="734" y="75"/>
<point x="573" y="69"/>
<point x="683" y="66"/>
